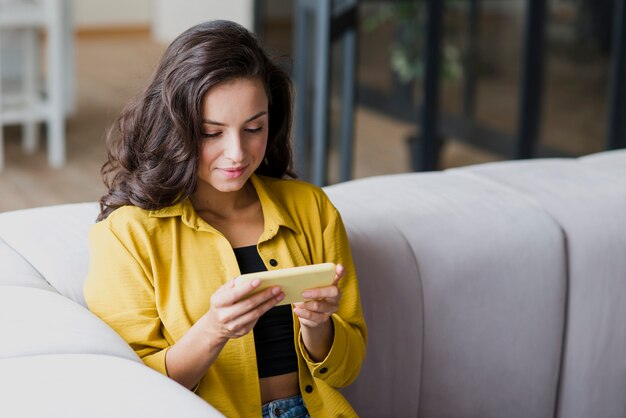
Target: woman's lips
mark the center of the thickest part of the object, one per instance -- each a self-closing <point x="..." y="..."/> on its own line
<point x="233" y="173"/>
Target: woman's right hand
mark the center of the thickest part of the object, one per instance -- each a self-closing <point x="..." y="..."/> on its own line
<point x="233" y="314"/>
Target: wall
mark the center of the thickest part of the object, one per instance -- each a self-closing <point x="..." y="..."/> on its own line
<point x="171" y="18"/>
<point x="166" y="18"/>
<point x="90" y="14"/>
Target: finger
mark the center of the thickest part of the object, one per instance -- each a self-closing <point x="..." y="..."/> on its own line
<point x="320" y="306"/>
<point x="250" y="303"/>
<point x="231" y="292"/>
<point x="331" y="292"/>
<point x="244" y="323"/>
<point x="230" y="313"/>
<point x="311" y="316"/>
<point x="340" y="271"/>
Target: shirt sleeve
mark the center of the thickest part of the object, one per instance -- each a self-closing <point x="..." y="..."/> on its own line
<point x="119" y="290"/>
<point x="343" y="362"/>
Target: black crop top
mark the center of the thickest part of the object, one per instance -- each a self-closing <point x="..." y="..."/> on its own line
<point x="273" y="332"/>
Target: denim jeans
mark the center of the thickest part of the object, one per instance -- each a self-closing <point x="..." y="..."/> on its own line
<point x="286" y="408"/>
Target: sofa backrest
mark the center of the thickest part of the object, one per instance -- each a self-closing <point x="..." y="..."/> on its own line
<point x="587" y="198"/>
<point x="488" y="297"/>
<point x="522" y="271"/>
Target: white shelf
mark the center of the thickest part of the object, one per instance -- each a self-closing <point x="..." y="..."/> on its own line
<point x="15" y="114"/>
<point x="21" y="15"/>
<point x="31" y="107"/>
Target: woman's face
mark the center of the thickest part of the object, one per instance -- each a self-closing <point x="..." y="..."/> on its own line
<point x="235" y="123"/>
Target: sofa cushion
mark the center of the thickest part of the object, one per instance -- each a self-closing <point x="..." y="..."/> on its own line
<point x="384" y="262"/>
<point x="82" y="385"/>
<point x="608" y="162"/>
<point x="588" y="199"/>
<point x="36" y="321"/>
<point x="493" y="278"/>
<point x="53" y="240"/>
<point x="16" y="271"/>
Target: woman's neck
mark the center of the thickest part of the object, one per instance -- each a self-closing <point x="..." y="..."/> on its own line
<point x="223" y="204"/>
<point x="237" y="215"/>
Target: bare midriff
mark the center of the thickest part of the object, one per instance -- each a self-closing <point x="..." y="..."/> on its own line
<point x="279" y="387"/>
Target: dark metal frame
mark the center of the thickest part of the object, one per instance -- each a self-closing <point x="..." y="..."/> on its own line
<point x="533" y="70"/>
<point x="329" y="20"/>
<point x="616" y="132"/>
<point x="336" y="18"/>
<point x="333" y="20"/>
<point x="427" y="154"/>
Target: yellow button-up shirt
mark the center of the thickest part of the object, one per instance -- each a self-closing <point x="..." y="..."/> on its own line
<point x="152" y="273"/>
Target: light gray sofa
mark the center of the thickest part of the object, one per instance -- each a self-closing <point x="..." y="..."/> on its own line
<point x="496" y="290"/>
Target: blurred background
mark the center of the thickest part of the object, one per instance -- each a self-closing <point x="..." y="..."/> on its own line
<point x="383" y="87"/>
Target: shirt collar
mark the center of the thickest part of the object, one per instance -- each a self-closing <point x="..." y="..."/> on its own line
<point x="184" y="209"/>
<point x="274" y="213"/>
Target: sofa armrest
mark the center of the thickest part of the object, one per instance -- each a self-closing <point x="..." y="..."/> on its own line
<point x="36" y="322"/>
<point x="53" y="240"/>
<point x="16" y="271"/>
<point x="79" y="385"/>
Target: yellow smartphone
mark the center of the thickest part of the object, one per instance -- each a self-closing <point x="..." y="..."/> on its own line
<point x="293" y="280"/>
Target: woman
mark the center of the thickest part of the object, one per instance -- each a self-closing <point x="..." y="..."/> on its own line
<point x="200" y="190"/>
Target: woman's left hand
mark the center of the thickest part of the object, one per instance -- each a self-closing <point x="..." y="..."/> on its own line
<point x="320" y="303"/>
<point x="314" y="315"/>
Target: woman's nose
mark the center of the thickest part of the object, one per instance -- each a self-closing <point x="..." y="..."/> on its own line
<point x="234" y="148"/>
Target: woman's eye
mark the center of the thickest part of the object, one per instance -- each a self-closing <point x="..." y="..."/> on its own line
<point x="211" y="134"/>
<point x="255" y="130"/>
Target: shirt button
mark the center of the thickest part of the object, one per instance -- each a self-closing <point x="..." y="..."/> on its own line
<point x="308" y="389"/>
<point x="323" y="370"/>
<point x="273" y="263"/>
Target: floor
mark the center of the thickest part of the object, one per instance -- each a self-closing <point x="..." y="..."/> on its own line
<point x="110" y="69"/>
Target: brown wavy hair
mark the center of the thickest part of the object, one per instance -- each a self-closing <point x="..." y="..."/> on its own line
<point x="153" y="147"/>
